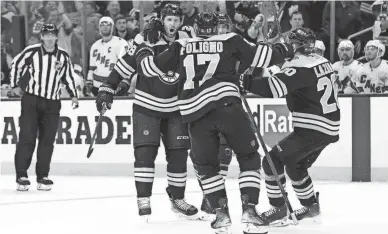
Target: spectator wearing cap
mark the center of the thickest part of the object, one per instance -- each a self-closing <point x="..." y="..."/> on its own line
<point x="190" y="11"/>
<point x="133" y="24"/>
<point x="121" y="28"/>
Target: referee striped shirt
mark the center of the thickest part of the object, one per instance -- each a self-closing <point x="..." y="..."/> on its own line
<point x="41" y="73"/>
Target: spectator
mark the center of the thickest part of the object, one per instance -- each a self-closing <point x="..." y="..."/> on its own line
<point x="7" y="10"/>
<point x="295" y="6"/>
<point x="133" y="24"/>
<point x="296" y="21"/>
<point x="347" y="22"/>
<point x="190" y="11"/>
<point x="92" y="29"/>
<point x="113" y="9"/>
<point x="48" y="6"/>
<point x="245" y="13"/>
<point x="90" y="8"/>
<point x="121" y="28"/>
<point x="65" y="28"/>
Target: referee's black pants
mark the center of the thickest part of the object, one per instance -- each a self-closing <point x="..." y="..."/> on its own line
<point x="39" y="119"/>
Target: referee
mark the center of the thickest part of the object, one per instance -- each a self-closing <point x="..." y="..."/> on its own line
<point x="37" y="73"/>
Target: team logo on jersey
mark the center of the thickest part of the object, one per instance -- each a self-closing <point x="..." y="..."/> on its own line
<point x="58" y="65"/>
<point x="170" y="78"/>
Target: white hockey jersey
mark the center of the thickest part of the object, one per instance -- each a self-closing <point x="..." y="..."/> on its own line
<point x="372" y="80"/>
<point x="345" y="74"/>
<point x="103" y="57"/>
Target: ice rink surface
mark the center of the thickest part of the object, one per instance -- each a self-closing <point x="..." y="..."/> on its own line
<point x="107" y="205"/>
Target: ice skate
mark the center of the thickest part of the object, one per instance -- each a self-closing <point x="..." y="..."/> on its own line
<point x="23" y="184"/>
<point x="310" y="214"/>
<point x="222" y="222"/>
<point x="277" y="216"/>
<point x="207" y="213"/>
<point x="44" y="184"/>
<point x="182" y="208"/>
<point x="253" y="223"/>
<point x="144" y="206"/>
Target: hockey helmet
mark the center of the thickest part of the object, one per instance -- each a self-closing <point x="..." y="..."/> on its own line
<point x="302" y="40"/>
<point x="171" y="9"/>
<point x="49" y="29"/>
<point x="205" y="24"/>
<point x="375" y="44"/>
<point x="320" y="47"/>
<point x="104" y="21"/>
<point x="343" y="45"/>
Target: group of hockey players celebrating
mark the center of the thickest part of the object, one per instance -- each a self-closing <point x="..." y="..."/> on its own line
<point x="189" y="83"/>
<point x="188" y="93"/>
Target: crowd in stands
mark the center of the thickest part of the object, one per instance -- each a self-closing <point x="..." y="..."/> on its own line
<point x="247" y="18"/>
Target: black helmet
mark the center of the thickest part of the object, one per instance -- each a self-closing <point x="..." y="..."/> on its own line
<point x="205" y="24"/>
<point x="171" y="9"/>
<point x="223" y="18"/>
<point x="302" y="39"/>
<point x="49" y="29"/>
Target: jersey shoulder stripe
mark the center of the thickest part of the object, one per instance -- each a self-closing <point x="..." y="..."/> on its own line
<point x="305" y="61"/>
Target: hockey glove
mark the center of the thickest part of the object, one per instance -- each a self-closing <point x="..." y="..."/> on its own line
<point x="286" y="50"/>
<point x="123" y="88"/>
<point x="189" y="30"/>
<point x="104" y="97"/>
<point x="244" y="83"/>
<point x="153" y="31"/>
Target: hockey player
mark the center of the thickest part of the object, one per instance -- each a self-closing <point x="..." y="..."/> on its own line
<point x="373" y="75"/>
<point x="104" y="54"/>
<point x="224" y="25"/>
<point x="346" y="68"/>
<point x="210" y="102"/>
<point x="307" y="83"/>
<point x="155" y="115"/>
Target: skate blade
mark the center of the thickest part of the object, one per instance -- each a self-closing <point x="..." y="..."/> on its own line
<point x="144" y="218"/>
<point x="250" y="228"/>
<point x="22" y="188"/>
<point x="223" y="230"/>
<point x="306" y="221"/>
<point x="280" y="223"/>
<point x="189" y="217"/>
<point x="206" y="217"/>
<point x="43" y="187"/>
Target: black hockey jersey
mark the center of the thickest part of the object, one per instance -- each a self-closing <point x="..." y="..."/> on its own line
<point x="307" y="82"/>
<point x="154" y="96"/>
<point x="207" y="70"/>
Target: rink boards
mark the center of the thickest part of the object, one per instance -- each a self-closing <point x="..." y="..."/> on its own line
<point x="113" y="154"/>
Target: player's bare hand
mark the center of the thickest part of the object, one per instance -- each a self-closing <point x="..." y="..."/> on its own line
<point x="18" y="91"/>
<point x="74" y="102"/>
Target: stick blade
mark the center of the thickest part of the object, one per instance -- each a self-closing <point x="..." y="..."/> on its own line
<point x="90" y="152"/>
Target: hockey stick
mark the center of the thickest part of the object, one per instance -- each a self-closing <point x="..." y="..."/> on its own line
<point x="270" y="162"/>
<point x="91" y="149"/>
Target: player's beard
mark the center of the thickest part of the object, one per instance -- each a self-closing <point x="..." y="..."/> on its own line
<point x="345" y="57"/>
